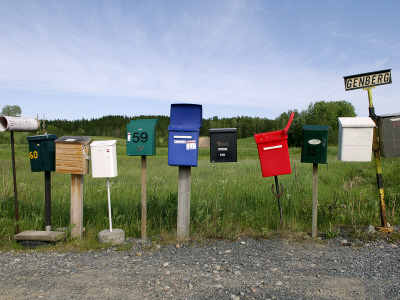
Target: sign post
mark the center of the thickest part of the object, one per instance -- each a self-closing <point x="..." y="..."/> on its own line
<point x="367" y="81"/>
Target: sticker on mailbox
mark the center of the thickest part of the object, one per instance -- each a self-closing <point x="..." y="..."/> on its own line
<point x="191" y="145"/>
<point x="129" y="136"/>
<point x="314" y="142"/>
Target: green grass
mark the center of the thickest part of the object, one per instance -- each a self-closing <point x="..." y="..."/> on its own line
<point x="227" y="199"/>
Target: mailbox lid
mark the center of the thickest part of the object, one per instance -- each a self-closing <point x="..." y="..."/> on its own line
<point x="270" y="137"/>
<point x="315" y="144"/>
<point x="42" y="152"/>
<point x="103" y="143"/>
<point x="356" y="122"/>
<point x="185" y="116"/>
<point x="84" y="140"/>
<point x="222" y="130"/>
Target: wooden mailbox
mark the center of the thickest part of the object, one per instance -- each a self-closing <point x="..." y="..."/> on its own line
<point x="72" y="154"/>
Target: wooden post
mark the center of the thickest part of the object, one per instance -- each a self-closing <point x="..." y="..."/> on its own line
<point x="47" y="200"/>
<point x="15" y="184"/>
<point x="76" y="205"/>
<point x="183" y="222"/>
<point x="315" y="202"/>
<point x="144" y="199"/>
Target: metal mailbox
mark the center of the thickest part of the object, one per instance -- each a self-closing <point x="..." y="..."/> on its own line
<point x="274" y="152"/>
<point x="223" y="145"/>
<point x="42" y="152"/>
<point x="183" y="134"/>
<point x="315" y="144"/>
<point x="141" y="137"/>
<point x="389" y="135"/>
<point x="355" y="138"/>
<point x="72" y="154"/>
<point x="104" y="159"/>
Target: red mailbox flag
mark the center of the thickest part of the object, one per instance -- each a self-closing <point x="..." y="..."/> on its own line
<point x="273" y="151"/>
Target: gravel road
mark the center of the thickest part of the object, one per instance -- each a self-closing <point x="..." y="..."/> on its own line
<point x="240" y="269"/>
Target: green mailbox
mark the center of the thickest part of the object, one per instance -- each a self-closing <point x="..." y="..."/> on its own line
<point x="141" y="137"/>
<point x="315" y="144"/>
<point x="42" y="152"/>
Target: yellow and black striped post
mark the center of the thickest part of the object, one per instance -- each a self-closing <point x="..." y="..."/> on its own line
<point x="384" y="227"/>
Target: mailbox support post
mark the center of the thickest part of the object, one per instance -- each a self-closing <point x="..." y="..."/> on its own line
<point x="144" y="196"/>
<point x="183" y="220"/>
<point x="379" y="179"/>
<point x="76" y="205"/>
<point x="109" y="203"/>
<point x="15" y="184"/>
<point x="47" y="200"/>
<point x="314" y="231"/>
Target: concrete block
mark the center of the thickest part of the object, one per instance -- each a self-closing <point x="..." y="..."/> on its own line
<point x="116" y="237"/>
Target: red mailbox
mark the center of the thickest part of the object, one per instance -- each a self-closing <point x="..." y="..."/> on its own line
<point x="273" y="151"/>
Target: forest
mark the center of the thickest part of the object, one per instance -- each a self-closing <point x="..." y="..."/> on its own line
<point x="318" y="113"/>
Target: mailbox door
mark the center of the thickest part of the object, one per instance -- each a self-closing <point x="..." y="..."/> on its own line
<point x="223" y="147"/>
<point x="141" y="137"/>
<point x="104" y="160"/>
<point x="389" y="135"/>
<point x="315" y="144"/>
<point x="183" y="148"/>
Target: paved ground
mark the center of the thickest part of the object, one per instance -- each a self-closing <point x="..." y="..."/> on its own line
<point x="242" y="269"/>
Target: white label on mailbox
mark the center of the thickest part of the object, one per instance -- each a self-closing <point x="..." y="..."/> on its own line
<point x="395" y="119"/>
<point x="129" y="136"/>
<point x="179" y="142"/>
<point x="272" y="147"/>
<point x="222" y="154"/>
<point x="182" y="136"/>
<point x="222" y="149"/>
<point x="314" y="142"/>
<point x="70" y="140"/>
<point x="191" y="145"/>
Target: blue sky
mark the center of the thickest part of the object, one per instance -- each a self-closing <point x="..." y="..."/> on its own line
<point x="87" y="59"/>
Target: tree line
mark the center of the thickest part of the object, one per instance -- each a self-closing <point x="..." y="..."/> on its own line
<point x="318" y="113"/>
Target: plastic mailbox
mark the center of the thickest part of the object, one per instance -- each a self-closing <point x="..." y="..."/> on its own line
<point x="315" y="144"/>
<point x="183" y="138"/>
<point x="42" y="152"/>
<point x="223" y="145"/>
<point x="141" y="137"/>
<point x="389" y="135"/>
<point x="273" y="151"/>
<point x="104" y="159"/>
<point x="72" y="154"/>
<point x="355" y="138"/>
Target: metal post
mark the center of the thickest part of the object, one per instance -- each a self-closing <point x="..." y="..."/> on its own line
<point x="144" y="197"/>
<point x="47" y="200"/>
<point x="314" y="232"/>
<point x="183" y="220"/>
<point x="278" y="195"/>
<point x="378" y="167"/>
<point x="109" y="203"/>
<point x="15" y="184"/>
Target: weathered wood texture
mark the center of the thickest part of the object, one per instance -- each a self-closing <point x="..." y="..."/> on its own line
<point x="72" y="157"/>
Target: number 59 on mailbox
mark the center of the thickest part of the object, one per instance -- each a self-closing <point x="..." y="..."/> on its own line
<point x="141" y="137"/>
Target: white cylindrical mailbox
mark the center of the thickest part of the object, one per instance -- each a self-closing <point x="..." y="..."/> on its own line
<point x="18" y="124"/>
<point x="355" y="138"/>
<point x="104" y="159"/>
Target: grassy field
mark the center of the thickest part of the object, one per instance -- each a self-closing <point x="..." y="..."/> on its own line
<point x="227" y="199"/>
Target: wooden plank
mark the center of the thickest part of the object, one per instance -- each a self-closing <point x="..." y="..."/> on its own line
<point x="44" y="236"/>
<point x="76" y="205"/>
<point x="314" y="231"/>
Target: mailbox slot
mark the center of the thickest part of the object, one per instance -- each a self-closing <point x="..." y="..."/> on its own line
<point x="389" y="135"/>
<point x="223" y="145"/>
<point x="42" y="152"/>
<point x="72" y="154"/>
<point x="315" y="144"/>
<point x="183" y="134"/>
<point x="355" y="138"/>
<point x="104" y="159"/>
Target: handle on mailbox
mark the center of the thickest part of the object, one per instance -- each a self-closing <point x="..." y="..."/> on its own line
<point x="290" y="122"/>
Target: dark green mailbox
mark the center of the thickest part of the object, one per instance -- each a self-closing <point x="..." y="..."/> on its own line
<point x="141" y="137"/>
<point x="315" y="144"/>
<point x="42" y="152"/>
<point x="389" y="135"/>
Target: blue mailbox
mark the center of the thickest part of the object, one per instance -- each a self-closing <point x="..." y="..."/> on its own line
<point x="183" y="139"/>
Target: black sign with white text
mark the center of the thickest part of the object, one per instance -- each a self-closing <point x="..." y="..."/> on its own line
<point x="367" y="79"/>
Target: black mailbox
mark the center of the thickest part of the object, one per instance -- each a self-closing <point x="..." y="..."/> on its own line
<point x="389" y="135"/>
<point x="223" y="145"/>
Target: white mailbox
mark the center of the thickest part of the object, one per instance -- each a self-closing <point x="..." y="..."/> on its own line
<point x="104" y="159"/>
<point x="355" y="138"/>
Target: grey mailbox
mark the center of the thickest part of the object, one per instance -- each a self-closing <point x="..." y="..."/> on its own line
<point x="389" y="135"/>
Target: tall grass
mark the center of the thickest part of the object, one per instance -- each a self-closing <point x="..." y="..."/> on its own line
<point x="227" y="199"/>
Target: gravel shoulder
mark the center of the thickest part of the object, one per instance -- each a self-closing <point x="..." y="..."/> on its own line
<point x="240" y="269"/>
